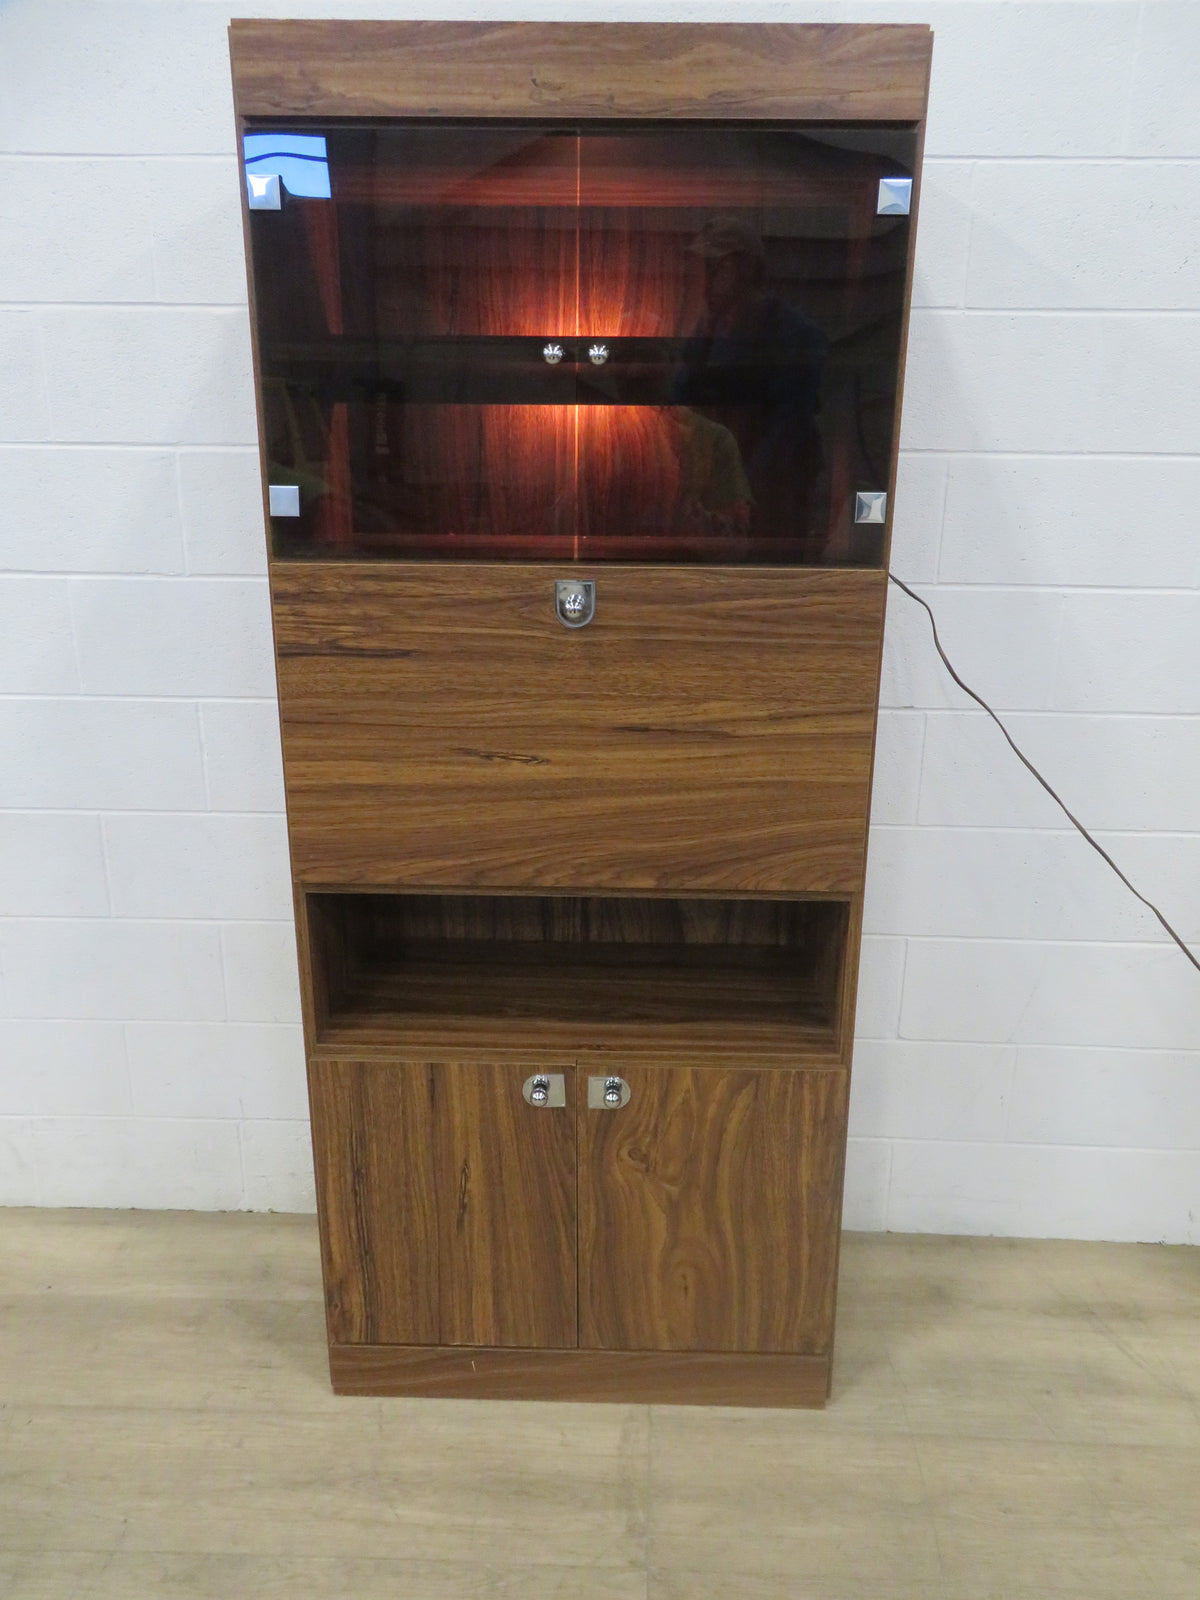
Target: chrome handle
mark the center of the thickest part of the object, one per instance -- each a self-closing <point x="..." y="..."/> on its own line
<point x="575" y="601"/>
<point x="607" y="1094"/>
<point x="545" y="1089"/>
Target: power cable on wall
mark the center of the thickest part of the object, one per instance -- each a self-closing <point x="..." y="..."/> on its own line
<point x="1025" y="761"/>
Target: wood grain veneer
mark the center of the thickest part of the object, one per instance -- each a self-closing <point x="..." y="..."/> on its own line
<point x="708" y="1211"/>
<point x="711" y="728"/>
<point x="374" y="1124"/>
<point x="387" y="1035"/>
<point x="547" y="70"/>
<point x="640" y="1377"/>
<point x="506" y="1209"/>
<point x="447" y="1204"/>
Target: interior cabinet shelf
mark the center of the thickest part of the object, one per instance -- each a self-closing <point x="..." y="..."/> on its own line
<point x="580" y="190"/>
<point x="463" y="1036"/>
<point x="727" y="978"/>
<point x="507" y="370"/>
<point x="700" y="549"/>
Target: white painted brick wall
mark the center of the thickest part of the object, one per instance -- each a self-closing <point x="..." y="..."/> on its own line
<point x="1029" y="1044"/>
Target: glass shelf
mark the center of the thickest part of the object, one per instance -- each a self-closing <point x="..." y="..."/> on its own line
<point x="723" y="306"/>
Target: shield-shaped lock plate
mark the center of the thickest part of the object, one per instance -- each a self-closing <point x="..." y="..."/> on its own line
<point x="575" y="601"/>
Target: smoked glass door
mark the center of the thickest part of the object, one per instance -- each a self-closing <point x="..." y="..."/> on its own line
<point x="511" y="342"/>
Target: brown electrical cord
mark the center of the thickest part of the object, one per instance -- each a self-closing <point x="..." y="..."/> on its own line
<point x="1025" y="761"/>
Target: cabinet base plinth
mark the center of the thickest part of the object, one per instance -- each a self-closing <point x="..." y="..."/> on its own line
<point x="640" y="1377"/>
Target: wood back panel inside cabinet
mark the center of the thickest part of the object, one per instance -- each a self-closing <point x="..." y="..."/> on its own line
<point x="708" y="1210"/>
<point x="710" y="728"/>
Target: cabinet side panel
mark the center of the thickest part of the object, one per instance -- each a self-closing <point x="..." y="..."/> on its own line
<point x="506" y="1177"/>
<point x="373" y="1147"/>
<point x="709" y="1211"/>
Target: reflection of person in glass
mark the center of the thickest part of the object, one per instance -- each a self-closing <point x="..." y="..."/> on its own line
<point x="753" y="364"/>
<point x="713" y="495"/>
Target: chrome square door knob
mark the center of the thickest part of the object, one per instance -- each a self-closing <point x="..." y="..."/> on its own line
<point x="283" y="499"/>
<point x="871" y="506"/>
<point x="262" y="191"/>
<point x="895" y="197"/>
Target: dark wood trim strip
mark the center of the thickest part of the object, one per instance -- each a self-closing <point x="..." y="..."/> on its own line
<point x="467" y="69"/>
<point x="633" y="1377"/>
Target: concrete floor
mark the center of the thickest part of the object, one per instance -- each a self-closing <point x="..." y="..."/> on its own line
<point x="1010" y="1421"/>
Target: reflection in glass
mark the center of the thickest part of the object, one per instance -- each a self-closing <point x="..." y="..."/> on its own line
<point x="300" y="160"/>
<point x="665" y="344"/>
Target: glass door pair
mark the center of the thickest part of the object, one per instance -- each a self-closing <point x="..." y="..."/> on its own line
<point x="597" y="343"/>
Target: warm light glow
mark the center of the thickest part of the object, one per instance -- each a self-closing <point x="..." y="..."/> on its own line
<point x="545" y="273"/>
<point x="571" y="275"/>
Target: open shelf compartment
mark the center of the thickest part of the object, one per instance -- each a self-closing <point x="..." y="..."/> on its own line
<point x="575" y="972"/>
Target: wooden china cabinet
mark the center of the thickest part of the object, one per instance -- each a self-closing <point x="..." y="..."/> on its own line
<point x="578" y="352"/>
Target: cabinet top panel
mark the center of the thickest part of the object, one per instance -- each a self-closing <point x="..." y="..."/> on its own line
<point x="464" y="69"/>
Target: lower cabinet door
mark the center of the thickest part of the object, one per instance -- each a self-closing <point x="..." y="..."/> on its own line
<point x="709" y="1208"/>
<point x="447" y="1201"/>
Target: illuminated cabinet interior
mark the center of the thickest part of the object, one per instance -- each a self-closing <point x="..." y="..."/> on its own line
<point x="578" y="355"/>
